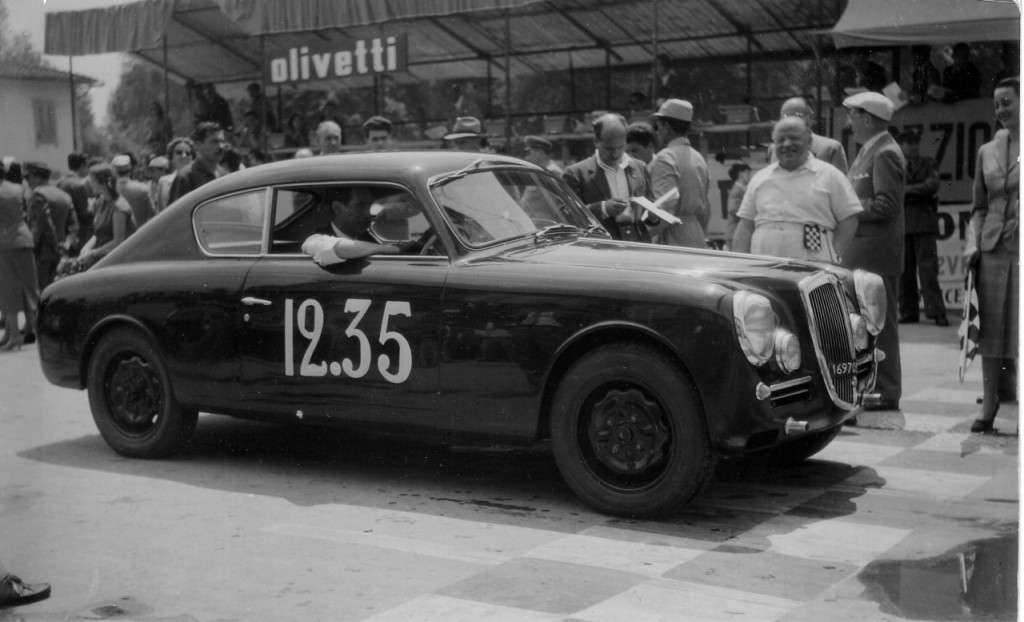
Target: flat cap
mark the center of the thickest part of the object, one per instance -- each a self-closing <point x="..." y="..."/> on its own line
<point x="679" y="109"/>
<point x="159" y="162"/>
<point x="37" y="168"/>
<point x="875" y="103"/>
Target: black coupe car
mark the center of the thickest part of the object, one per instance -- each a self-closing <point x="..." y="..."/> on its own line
<point x="517" y="320"/>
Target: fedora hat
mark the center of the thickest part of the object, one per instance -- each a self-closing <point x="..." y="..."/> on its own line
<point x="678" y="109"/>
<point x="464" y="127"/>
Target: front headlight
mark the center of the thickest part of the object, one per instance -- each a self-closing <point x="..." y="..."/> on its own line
<point x="787" y="351"/>
<point x="871" y="299"/>
<point x="860" y="331"/>
<point x="755" y="324"/>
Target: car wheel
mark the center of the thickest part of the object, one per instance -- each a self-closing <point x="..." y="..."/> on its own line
<point x="132" y="399"/>
<point x="628" y="434"/>
<point x="801" y="449"/>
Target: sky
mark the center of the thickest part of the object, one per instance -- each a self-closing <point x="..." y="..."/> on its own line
<point x="29" y="16"/>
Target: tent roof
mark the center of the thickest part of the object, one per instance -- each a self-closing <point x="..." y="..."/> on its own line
<point x="218" y="40"/>
<point x="912" y="22"/>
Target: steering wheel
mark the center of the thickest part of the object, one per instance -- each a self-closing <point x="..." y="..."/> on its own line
<point x="431" y="244"/>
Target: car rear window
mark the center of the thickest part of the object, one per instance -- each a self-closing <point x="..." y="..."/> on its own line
<point x="232" y="225"/>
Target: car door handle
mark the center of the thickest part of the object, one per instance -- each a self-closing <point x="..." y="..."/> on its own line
<point x="249" y="300"/>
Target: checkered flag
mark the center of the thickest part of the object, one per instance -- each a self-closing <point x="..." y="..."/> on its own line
<point x="970" y="327"/>
<point x="812" y="237"/>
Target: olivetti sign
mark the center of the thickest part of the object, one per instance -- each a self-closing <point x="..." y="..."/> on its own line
<point x="329" y="61"/>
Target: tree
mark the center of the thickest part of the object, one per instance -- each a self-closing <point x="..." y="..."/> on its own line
<point x="132" y="123"/>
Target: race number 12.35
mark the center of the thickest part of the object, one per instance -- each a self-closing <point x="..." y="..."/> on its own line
<point x="310" y="310"/>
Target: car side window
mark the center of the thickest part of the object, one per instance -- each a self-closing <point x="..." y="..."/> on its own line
<point x="299" y="212"/>
<point x="232" y="225"/>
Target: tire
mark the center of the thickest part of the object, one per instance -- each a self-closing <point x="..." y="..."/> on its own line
<point x="630" y="392"/>
<point x="799" y="450"/>
<point x="132" y="400"/>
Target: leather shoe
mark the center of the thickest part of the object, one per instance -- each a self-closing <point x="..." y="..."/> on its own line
<point x="14" y="592"/>
<point x="908" y="319"/>
<point x="941" y="321"/>
<point x="29" y="338"/>
<point x="982" y="427"/>
<point x="884" y="405"/>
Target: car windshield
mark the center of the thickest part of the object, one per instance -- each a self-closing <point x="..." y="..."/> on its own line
<point x="491" y="205"/>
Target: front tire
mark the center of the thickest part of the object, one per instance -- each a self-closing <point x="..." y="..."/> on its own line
<point x="628" y="433"/>
<point x="132" y="400"/>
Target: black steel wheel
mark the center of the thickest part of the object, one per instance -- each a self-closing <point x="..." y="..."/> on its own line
<point x="132" y="400"/>
<point x="628" y="433"/>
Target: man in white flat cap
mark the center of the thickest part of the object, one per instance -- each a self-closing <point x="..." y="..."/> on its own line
<point x="466" y="135"/>
<point x="680" y="166"/>
<point x="878" y="175"/>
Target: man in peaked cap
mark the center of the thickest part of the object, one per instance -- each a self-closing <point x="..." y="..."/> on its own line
<point x="878" y="175"/>
<point x="537" y="150"/>
<point x="466" y="135"/>
<point x="680" y="166"/>
<point x="135" y="192"/>
<point x="51" y="217"/>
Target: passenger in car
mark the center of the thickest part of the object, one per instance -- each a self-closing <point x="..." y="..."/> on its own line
<point x="348" y="236"/>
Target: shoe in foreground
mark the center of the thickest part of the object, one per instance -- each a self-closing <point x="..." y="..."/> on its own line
<point x="14" y="592"/>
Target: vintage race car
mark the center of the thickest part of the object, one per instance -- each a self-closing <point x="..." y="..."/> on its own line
<point x="518" y="321"/>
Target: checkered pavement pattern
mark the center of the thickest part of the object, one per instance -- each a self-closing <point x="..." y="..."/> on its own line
<point x="759" y="545"/>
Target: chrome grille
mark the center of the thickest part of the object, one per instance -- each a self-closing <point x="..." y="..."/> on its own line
<point x="832" y="335"/>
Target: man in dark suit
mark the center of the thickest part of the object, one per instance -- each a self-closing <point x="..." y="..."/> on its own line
<point x="73" y="183"/>
<point x="921" y="218"/>
<point x="348" y="235"/>
<point x="878" y="175"/>
<point x="607" y="180"/>
<point x="52" y="220"/>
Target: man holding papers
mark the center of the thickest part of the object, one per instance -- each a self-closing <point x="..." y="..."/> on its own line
<point x="680" y="167"/>
<point x="608" y="180"/>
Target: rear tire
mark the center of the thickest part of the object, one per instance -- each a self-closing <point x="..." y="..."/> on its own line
<point x="132" y="400"/>
<point x="628" y="433"/>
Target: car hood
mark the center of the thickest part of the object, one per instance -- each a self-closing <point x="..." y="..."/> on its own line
<point x="732" y="270"/>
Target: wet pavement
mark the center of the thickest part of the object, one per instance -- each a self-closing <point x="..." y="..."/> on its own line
<point x="906" y="517"/>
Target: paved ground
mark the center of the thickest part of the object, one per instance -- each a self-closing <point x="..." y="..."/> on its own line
<point x="260" y="522"/>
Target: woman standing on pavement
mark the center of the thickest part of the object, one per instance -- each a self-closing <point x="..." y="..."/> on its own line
<point x="994" y="250"/>
<point x="113" y="221"/>
<point x="19" y="287"/>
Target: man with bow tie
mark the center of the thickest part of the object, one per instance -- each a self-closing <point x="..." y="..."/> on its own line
<point x="607" y="180"/>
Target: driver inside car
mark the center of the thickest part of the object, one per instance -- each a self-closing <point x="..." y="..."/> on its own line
<point x="348" y="236"/>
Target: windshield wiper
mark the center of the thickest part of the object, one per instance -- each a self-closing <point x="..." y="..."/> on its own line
<point x="596" y="229"/>
<point x="459" y="174"/>
<point x="559" y="227"/>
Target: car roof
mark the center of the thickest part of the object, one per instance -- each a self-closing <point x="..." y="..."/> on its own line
<point x="412" y="168"/>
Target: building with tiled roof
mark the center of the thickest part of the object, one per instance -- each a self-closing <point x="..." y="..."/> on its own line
<point x="35" y="106"/>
